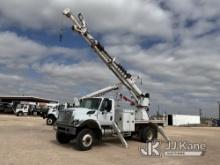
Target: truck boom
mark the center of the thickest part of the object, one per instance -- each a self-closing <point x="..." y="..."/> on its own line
<point x="141" y="99"/>
<point x="102" y="91"/>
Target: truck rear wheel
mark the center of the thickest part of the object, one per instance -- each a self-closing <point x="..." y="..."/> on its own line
<point x="148" y="133"/>
<point x="62" y="138"/>
<point x="85" y="139"/>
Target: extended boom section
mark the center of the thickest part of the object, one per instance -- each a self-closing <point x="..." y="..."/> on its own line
<point x="141" y="99"/>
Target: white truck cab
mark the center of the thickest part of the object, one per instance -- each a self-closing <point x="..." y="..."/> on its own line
<point x="23" y="108"/>
<point x="53" y="112"/>
<point x="52" y="115"/>
<point x="99" y="109"/>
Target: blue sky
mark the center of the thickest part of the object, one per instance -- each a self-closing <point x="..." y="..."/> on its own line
<point x="173" y="45"/>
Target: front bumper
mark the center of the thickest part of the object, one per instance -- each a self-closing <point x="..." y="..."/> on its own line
<point x="67" y="129"/>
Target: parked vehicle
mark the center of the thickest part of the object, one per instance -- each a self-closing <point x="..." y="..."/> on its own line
<point x="24" y="108"/>
<point x="6" y="107"/>
<point x="99" y="116"/>
<point x="52" y="115"/>
<point x="53" y="112"/>
<point x="216" y="122"/>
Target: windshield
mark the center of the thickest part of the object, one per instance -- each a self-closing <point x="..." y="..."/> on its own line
<point x="90" y="103"/>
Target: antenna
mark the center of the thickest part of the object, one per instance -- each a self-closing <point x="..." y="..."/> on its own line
<point x="61" y="29"/>
<point x="61" y="35"/>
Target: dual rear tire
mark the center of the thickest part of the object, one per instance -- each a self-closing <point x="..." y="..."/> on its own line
<point x="148" y="133"/>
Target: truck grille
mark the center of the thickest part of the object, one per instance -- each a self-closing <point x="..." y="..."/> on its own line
<point x="65" y="116"/>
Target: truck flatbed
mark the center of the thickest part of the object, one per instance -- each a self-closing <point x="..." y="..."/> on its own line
<point x="159" y="122"/>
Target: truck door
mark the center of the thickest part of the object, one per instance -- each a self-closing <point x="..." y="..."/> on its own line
<point x="105" y="113"/>
<point x="25" y="109"/>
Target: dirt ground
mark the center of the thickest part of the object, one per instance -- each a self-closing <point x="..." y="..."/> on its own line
<point x="29" y="141"/>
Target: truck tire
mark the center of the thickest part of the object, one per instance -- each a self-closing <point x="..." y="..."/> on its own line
<point x="85" y="140"/>
<point x="20" y="114"/>
<point x="50" y="120"/>
<point x="148" y="133"/>
<point x="62" y="138"/>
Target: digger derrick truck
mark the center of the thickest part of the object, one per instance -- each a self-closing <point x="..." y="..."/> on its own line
<point x="97" y="117"/>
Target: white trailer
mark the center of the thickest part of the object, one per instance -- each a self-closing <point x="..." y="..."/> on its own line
<point x="178" y="119"/>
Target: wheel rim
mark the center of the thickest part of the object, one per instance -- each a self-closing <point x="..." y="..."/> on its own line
<point x="87" y="140"/>
<point x="149" y="135"/>
<point x="49" y="121"/>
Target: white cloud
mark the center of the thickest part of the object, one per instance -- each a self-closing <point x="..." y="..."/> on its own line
<point x="184" y="77"/>
<point x="5" y="77"/>
<point x="194" y="9"/>
<point x="22" y="59"/>
<point x="139" y="17"/>
<point x="75" y="74"/>
<point x="21" y="52"/>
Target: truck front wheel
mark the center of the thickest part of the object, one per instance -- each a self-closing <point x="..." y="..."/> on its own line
<point x="148" y="134"/>
<point x="20" y="114"/>
<point x="50" y="120"/>
<point x="62" y="138"/>
<point x="85" y="139"/>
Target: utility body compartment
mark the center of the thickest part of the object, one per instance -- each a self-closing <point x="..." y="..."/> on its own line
<point x="125" y="120"/>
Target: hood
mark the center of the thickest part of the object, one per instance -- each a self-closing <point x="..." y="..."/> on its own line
<point x="80" y="113"/>
<point x="80" y="110"/>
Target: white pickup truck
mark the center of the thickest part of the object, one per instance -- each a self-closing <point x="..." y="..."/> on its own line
<point x="53" y="112"/>
<point x="24" y="108"/>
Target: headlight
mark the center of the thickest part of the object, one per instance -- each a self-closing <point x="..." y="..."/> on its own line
<point x="75" y="122"/>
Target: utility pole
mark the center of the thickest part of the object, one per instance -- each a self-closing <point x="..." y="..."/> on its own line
<point x="200" y="112"/>
<point x="158" y="111"/>
<point x="219" y="110"/>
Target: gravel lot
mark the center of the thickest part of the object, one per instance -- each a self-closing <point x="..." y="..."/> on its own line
<point x="29" y="141"/>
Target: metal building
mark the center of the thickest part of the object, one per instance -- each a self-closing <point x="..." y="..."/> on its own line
<point x="178" y="120"/>
<point x="7" y="103"/>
